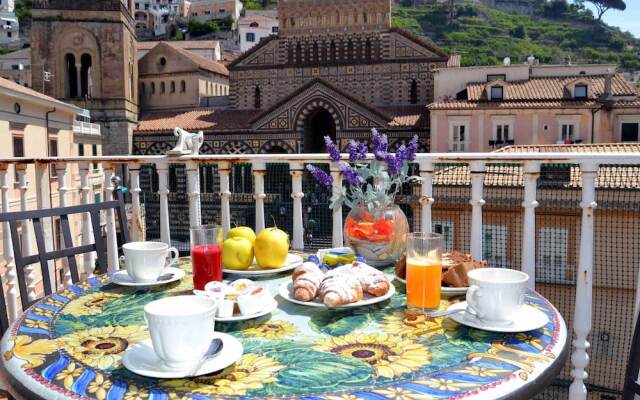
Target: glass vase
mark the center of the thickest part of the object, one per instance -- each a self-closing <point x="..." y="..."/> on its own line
<point x="379" y="235"/>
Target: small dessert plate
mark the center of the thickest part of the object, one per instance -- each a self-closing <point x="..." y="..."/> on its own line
<point x="286" y="292"/>
<point x="292" y="261"/>
<point x="527" y="319"/>
<point x="268" y="308"/>
<point x="445" y="290"/>
<point x="142" y="360"/>
<point x="169" y="274"/>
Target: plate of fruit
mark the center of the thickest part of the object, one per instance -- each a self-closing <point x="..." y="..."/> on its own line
<point x="455" y="267"/>
<point x="245" y="253"/>
<point x="239" y="300"/>
<point x="351" y="285"/>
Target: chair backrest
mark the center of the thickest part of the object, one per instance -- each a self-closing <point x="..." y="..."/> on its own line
<point x="14" y="219"/>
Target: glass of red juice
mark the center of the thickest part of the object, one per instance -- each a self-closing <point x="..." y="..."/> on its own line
<point x="206" y="254"/>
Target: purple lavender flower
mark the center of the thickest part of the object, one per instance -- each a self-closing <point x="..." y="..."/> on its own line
<point x="412" y="148"/>
<point x="351" y="175"/>
<point x="320" y="176"/>
<point x="357" y="151"/>
<point x="394" y="164"/>
<point x="334" y="153"/>
<point x="379" y="144"/>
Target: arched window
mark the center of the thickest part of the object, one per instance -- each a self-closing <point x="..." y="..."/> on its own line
<point x="333" y="50"/>
<point x="316" y="52"/>
<point x="413" y="93"/>
<point x="298" y="53"/>
<point x="290" y="53"/>
<point x="350" y="52"/>
<point x="183" y="86"/>
<point x="153" y="88"/>
<point x="162" y="88"/>
<point x="85" y="76"/>
<point x="173" y="87"/>
<point x="256" y="98"/>
<point x="367" y="49"/>
<point x="142" y="88"/>
<point x="71" y="77"/>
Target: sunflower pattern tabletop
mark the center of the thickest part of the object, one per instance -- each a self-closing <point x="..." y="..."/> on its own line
<point x="70" y="345"/>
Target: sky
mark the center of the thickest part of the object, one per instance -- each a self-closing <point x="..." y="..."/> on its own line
<point x="628" y="20"/>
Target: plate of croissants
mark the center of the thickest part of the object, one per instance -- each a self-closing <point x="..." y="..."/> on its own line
<point x="455" y="267"/>
<point x="350" y="285"/>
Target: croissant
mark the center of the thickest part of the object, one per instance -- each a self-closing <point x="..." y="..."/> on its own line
<point x="373" y="281"/>
<point x="306" y="281"/>
<point x="340" y="288"/>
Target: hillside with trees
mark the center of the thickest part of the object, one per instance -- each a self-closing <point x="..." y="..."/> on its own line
<point x="556" y="33"/>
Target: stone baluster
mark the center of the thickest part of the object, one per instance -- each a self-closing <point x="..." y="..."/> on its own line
<point x="137" y="230"/>
<point x="27" y="231"/>
<point x="163" y="191"/>
<point x="296" y="170"/>
<point x="193" y="191"/>
<point x="112" y="243"/>
<point x="528" y="260"/>
<point x="43" y="201"/>
<point x="89" y="259"/>
<point x="584" y="284"/>
<point x="426" y="194"/>
<point x="477" y="170"/>
<point x="7" y="248"/>
<point x="224" y="168"/>
<point x="259" y="170"/>
<point x="61" y="171"/>
<point x="337" y="234"/>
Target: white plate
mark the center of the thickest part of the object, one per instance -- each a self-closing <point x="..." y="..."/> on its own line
<point x="122" y="278"/>
<point x="290" y="263"/>
<point x="447" y="291"/>
<point x="142" y="360"/>
<point x="286" y="287"/>
<point x="527" y="319"/>
<point x="269" y="307"/>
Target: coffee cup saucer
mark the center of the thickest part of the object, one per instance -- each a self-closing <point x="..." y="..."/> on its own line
<point x="528" y="318"/>
<point x="168" y="275"/>
<point x="141" y="359"/>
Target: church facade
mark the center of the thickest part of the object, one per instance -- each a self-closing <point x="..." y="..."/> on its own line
<point x="334" y="69"/>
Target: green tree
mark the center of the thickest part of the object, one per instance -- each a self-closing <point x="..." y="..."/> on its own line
<point x="605" y="5"/>
<point x="519" y="31"/>
<point x="22" y="9"/>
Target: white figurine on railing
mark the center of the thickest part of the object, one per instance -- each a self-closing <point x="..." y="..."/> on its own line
<point x="188" y="143"/>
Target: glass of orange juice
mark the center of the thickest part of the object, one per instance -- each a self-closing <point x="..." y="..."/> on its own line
<point x="424" y="271"/>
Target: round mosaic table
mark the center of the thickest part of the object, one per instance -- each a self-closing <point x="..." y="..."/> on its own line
<point x="70" y="346"/>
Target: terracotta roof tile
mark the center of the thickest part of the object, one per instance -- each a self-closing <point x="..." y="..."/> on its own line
<point x="183" y="44"/>
<point x="202" y="62"/>
<point x="16" y="55"/>
<point x="409" y="116"/>
<point x="205" y="119"/>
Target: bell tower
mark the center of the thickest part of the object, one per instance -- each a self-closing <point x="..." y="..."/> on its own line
<point x="84" y="52"/>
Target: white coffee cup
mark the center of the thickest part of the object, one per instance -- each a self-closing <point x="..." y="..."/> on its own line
<point x="496" y="294"/>
<point x="146" y="260"/>
<point x="181" y="328"/>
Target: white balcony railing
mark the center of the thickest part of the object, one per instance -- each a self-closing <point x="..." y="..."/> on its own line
<point x="86" y="128"/>
<point x="587" y="163"/>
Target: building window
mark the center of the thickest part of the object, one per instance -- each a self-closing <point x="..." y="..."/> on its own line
<point x="250" y="37"/>
<point x="413" y="93"/>
<point x="97" y="198"/>
<point x="580" y="92"/>
<point x="629" y="132"/>
<point x="71" y="77"/>
<point x="86" y="84"/>
<point x="162" y="88"/>
<point x="496" y="77"/>
<point x="18" y="151"/>
<point x="502" y="134"/>
<point x="553" y="255"/>
<point x="173" y="87"/>
<point x="80" y="150"/>
<point x="445" y="228"/>
<point x="567" y="133"/>
<point x="274" y="29"/>
<point x="94" y="152"/>
<point x="494" y="245"/>
<point x="153" y="88"/>
<point x="53" y="152"/>
<point x="207" y="12"/>
<point x="496" y="93"/>
<point x="183" y="86"/>
<point x="256" y="98"/>
<point x="142" y="88"/>
<point x="458" y="138"/>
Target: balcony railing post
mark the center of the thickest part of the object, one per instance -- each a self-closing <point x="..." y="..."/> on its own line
<point x="337" y="234"/>
<point x="112" y="243"/>
<point x="7" y="249"/>
<point x="43" y="201"/>
<point x="584" y="284"/>
<point x="426" y="194"/>
<point x="224" y="168"/>
<point x="26" y="234"/>
<point x="193" y="189"/>
<point x="259" y="170"/>
<point x="87" y="233"/>
<point x="528" y="260"/>
<point x="61" y="171"/>
<point x="477" y="170"/>
<point x="163" y="191"/>
<point x="296" y="170"/>
<point x="137" y="230"/>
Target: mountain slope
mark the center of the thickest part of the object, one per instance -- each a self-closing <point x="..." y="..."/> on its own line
<point x="484" y="36"/>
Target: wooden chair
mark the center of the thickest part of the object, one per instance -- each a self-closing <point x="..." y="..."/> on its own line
<point x="68" y="251"/>
<point x="631" y="387"/>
